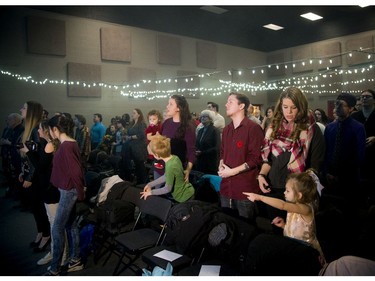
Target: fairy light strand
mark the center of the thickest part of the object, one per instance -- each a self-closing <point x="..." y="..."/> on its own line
<point x="306" y="81"/>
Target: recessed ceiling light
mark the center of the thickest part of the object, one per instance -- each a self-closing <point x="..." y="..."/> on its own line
<point x="311" y="16"/>
<point x="214" y="9"/>
<point x="273" y="26"/>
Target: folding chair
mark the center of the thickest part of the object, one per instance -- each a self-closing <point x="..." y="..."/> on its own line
<point x="105" y="239"/>
<point x="187" y="238"/>
<point x="130" y="245"/>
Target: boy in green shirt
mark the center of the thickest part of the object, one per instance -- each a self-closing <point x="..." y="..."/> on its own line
<point x="174" y="177"/>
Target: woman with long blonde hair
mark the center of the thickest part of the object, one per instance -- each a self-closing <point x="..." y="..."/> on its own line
<point x="31" y="113"/>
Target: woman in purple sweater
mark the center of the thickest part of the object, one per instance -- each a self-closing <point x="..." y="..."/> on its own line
<point x="67" y="176"/>
<point x="180" y="128"/>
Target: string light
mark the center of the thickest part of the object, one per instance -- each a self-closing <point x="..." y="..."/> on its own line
<point x="134" y="89"/>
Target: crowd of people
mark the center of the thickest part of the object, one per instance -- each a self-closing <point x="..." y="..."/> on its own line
<point x="278" y="166"/>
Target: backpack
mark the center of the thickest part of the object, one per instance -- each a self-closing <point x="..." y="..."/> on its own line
<point x="86" y="235"/>
<point x="116" y="211"/>
<point x="188" y="226"/>
<point x="229" y="238"/>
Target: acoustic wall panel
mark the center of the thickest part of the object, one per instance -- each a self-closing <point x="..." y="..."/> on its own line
<point x="168" y="50"/>
<point x="275" y="59"/>
<point x="301" y="59"/>
<point x="357" y="44"/>
<point x="46" y="36"/>
<point x="115" y="44"/>
<point x="206" y="55"/>
<point x="328" y="55"/>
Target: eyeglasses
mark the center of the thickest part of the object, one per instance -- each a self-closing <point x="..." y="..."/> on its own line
<point x="365" y="97"/>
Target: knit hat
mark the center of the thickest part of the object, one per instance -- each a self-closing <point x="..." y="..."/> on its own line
<point x="348" y="98"/>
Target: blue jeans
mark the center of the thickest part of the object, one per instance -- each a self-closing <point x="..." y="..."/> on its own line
<point x="65" y="220"/>
<point x="245" y="208"/>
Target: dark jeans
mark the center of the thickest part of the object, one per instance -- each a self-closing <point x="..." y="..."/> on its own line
<point x="245" y="208"/>
<point x="270" y="212"/>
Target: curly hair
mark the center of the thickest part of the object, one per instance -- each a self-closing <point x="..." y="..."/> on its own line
<point x="161" y="146"/>
<point x="302" y="119"/>
<point x="157" y="113"/>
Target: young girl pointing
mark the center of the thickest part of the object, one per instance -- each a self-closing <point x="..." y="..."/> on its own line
<point x="301" y="197"/>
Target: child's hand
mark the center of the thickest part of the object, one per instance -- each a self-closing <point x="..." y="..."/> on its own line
<point x="145" y="194"/>
<point x="186" y="175"/>
<point x="146" y="188"/>
<point x="278" y="222"/>
<point x="251" y="196"/>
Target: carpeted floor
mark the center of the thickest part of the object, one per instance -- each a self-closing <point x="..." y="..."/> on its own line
<point x="17" y="230"/>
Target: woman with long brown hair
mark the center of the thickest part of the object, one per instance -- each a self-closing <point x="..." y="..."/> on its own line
<point x="67" y="176"/>
<point x="50" y="194"/>
<point x="135" y="148"/>
<point x="293" y="143"/>
<point x="180" y="128"/>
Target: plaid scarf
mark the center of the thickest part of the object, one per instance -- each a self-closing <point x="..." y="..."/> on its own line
<point x="298" y="148"/>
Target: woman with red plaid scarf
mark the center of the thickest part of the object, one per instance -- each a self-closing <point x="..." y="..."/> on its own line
<point x="293" y="143"/>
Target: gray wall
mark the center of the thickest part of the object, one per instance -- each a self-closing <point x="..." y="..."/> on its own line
<point x="83" y="45"/>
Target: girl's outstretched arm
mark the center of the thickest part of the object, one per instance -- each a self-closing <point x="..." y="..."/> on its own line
<point x="302" y="209"/>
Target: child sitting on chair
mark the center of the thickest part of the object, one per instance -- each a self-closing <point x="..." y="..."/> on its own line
<point x="174" y="177"/>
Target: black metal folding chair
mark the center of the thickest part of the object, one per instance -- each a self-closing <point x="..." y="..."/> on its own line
<point x="105" y="242"/>
<point x="130" y="245"/>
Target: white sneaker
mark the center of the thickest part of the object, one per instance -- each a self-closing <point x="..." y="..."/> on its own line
<point x="46" y="259"/>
